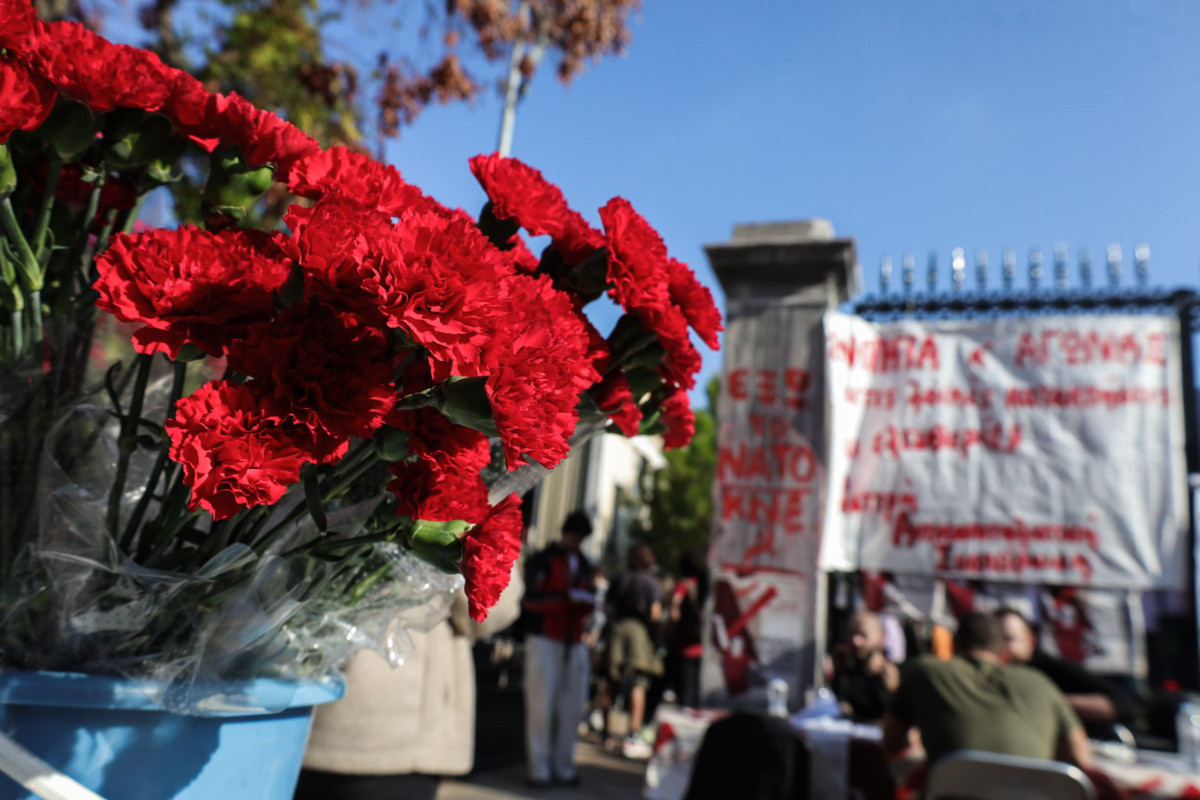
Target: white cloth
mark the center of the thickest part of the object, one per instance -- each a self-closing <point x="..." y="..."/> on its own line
<point x="556" y="679"/>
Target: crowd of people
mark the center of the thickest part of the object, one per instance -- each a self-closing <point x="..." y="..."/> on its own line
<point x="599" y="644"/>
<point x="996" y="691"/>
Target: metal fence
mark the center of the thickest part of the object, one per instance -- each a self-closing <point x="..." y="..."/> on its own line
<point x="1044" y="294"/>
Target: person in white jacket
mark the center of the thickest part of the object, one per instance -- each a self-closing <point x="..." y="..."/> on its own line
<point x="398" y="731"/>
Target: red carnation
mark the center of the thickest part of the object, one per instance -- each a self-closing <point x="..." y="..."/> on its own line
<point x="96" y="72"/>
<point x="640" y="274"/>
<point x="677" y="415"/>
<point x="336" y="373"/>
<point x="25" y="99"/>
<point x="444" y="289"/>
<point x="19" y="19"/>
<point x="265" y="138"/>
<point x="696" y="302"/>
<point x="615" y="399"/>
<point x="187" y="106"/>
<point x="489" y="551"/>
<point x="518" y="192"/>
<point x="236" y="448"/>
<point x="358" y="178"/>
<point x="539" y="363"/>
<point x="441" y="481"/>
<point x="189" y="285"/>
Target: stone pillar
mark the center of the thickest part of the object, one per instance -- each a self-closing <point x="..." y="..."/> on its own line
<point x="768" y="601"/>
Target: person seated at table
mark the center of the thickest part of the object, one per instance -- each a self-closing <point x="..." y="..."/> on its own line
<point x="975" y="701"/>
<point x="1095" y="701"/>
<point x="863" y="678"/>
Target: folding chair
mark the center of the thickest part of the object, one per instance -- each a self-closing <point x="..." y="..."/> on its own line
<point x="975" y="775"/>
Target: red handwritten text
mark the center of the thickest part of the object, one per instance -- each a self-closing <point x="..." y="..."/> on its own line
<point x="889" y="354"/>
<point x="893" y="441"/>
<point x="1090" y="347"/>
<point x="788" y="387"/>
<point x="1086" y="397"/>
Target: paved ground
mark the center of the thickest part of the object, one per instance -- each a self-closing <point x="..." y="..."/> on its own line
<point x="603" y="776"/>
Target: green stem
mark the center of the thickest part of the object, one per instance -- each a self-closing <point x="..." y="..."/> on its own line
<point x="139" y="511"/>
<point x="127" y="443"/>
<point x="35" y="311"/>
<point x="347" y="471"/>
<point x="28" y="268"/>
<point x="47" y="205"/>
<point x="18" y="334"/>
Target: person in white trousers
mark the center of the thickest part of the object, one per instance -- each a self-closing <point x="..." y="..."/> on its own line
<point x="559" y="598"/>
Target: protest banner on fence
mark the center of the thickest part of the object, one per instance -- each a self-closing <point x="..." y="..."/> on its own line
<point x="1044" y="450"/>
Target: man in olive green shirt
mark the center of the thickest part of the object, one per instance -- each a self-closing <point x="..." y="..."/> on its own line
<point x="975" y="701"/>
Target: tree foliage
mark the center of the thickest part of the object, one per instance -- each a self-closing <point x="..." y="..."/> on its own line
<point x="277" y="53"/>
<point x="679" y="496"/>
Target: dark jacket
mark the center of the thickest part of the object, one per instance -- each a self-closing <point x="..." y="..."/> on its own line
<point x="550" y="611"/>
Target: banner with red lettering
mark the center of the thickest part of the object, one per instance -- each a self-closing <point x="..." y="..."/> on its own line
<point x="1043" y="450"/>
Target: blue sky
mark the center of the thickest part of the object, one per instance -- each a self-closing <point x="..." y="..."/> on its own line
<point x="913" y="125"/>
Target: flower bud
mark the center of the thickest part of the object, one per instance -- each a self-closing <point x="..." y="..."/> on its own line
<point x="136" y="139"/>
<point x="391" y="445"/>
<point x="233" y="188"/>
<point x="465" y="402"/>
<point x="69" y="130"/>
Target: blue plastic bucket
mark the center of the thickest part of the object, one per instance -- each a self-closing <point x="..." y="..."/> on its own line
<point x="113" y="736"/>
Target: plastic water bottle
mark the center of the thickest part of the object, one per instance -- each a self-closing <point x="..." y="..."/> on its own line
<point x="1187" y="731"/>
<point x="777" y="697"/>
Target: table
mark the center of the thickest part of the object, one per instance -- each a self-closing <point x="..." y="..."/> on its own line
<point x="1124" y="774"/>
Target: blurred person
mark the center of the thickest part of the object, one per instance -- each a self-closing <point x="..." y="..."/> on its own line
<point x="975" y="701"/>
<point x="685" y="623"/>
<point x="559" y="598"/>
<point x="634" y="606"/>
<point x="398" y="730"/>
<point x="1094" y="700"/>
<point x="863" y="677"/>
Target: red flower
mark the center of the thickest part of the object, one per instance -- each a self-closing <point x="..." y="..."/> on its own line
<point x="520" y="193"/>
<point x="264" y="138"/>
<point x="335" y="372"/>
<point x="187" y="105"/>
<point x="677" y="415"/>
<point x="640" y="272"/>
<point x="615" y="399"/>
<point x="441" y="481"/>
<point x="358" y="178"/>
<point x="489" y="551"/>
<point x="19" y="18"/>
<point x="94" y="71"/>
<point x="25" y="99"/>
<point x="343" y="251"/>
<point x="189" y="285"/>
<point x="696" y="302"/>
<point x="236" y="447"/>
<point x="539" y="362"/>
<point x="444" y="289"/>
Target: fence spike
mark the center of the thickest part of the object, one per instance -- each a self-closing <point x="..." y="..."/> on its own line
<point x="1141" y="261"/>
<point x="1035" y="269"/>
<point x="1114" y="265"/>
<point x="981" y="267"/>
<point x="931" y="272"/>
<point x="958" y="268"/>
<point x="1085" y="268"/>
<point x="910" y="272"/>
<point x="1060" y="266"/>
<point x="1009" y="269"/>
<point x="885" y="273"/>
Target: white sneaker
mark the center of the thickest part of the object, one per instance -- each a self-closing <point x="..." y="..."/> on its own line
<point x="637" y="749"/>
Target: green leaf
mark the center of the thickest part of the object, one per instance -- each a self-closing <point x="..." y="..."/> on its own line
<point x="312" y="496"/>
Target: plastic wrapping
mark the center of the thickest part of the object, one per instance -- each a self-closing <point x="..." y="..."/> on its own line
<point x="190" y="640"/>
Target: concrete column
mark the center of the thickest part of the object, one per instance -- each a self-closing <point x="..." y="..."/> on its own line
<point x="767" y="612"/>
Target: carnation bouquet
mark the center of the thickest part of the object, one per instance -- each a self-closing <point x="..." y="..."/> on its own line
<point x="229" y="451"/>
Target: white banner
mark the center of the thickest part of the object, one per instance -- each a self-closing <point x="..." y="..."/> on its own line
<point x="1045" y="450"/>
